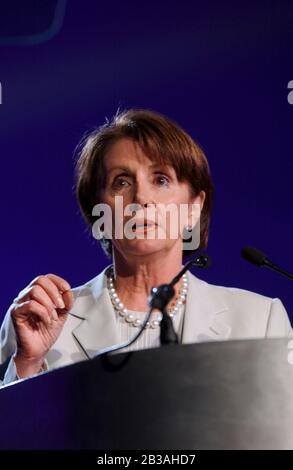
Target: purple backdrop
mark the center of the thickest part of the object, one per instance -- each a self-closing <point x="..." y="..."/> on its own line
<point x="220" y="69"/>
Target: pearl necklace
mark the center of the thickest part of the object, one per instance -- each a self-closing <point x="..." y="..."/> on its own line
<point x="128" y="317"/>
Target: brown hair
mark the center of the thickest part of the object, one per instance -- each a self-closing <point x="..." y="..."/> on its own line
<point x="163" y="141"/>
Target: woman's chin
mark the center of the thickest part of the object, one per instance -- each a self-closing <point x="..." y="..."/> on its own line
<point x="144" y="247"/>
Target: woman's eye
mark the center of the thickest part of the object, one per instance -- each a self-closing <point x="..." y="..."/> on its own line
<point x="120" y="183"/>
<point x="162" y="180"/>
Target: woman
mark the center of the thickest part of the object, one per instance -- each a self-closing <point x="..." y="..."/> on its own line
<point x="145" y="159"/>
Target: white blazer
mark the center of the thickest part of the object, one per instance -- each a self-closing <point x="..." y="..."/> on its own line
<point x="212" y="313"/>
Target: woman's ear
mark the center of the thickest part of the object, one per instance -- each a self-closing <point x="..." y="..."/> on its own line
<point x="195" y="208"/>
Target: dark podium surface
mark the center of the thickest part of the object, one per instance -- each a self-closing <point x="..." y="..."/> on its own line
<point x="217" y="395"/>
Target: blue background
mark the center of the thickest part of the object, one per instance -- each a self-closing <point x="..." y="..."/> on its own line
<point x="220" y="69"/>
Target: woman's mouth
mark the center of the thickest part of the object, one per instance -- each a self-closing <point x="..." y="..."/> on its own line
<point x="143" y="226"/>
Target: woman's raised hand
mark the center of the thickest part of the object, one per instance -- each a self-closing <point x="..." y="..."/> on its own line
<point x="38" y="314"/>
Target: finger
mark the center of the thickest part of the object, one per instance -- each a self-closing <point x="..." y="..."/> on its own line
<point x="60" y="283"/>
<point x="32" y="307"/>
<point x="37" y="293"/>
<point x="62" y="286"/>
<point x="51" y="289"/>
<point x="68" y="299"/>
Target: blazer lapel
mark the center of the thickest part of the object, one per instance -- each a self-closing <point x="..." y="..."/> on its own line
<point x="204" y="319"/>
<point x="98" y="329"/>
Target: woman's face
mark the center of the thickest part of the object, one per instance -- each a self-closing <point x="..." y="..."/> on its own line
<point x="131" y="174"/>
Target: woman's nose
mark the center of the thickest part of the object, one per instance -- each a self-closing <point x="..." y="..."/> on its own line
<point x="142" y="195"/>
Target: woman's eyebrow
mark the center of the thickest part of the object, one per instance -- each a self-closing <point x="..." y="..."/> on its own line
<point x="160" y="165"/>
<point x="119" y="168"/>
<point x="152" y="167"/>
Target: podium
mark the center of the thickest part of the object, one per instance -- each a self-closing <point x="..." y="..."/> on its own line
<point x="216" y="395"/>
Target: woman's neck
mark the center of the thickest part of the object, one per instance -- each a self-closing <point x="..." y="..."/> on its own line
<point x="134" y="278"/>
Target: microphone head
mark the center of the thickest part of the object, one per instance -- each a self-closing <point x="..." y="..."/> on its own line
<point x="253" y="255"/>
<point x="202" y="261"/>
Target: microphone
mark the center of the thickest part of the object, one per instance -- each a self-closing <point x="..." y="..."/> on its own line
<point x="161" y="296"/>
<point x="257" y="257"/>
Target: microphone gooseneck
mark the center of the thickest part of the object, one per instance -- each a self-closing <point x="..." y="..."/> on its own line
<point x="161" y="296"/>
<point x="159" y="299"/>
